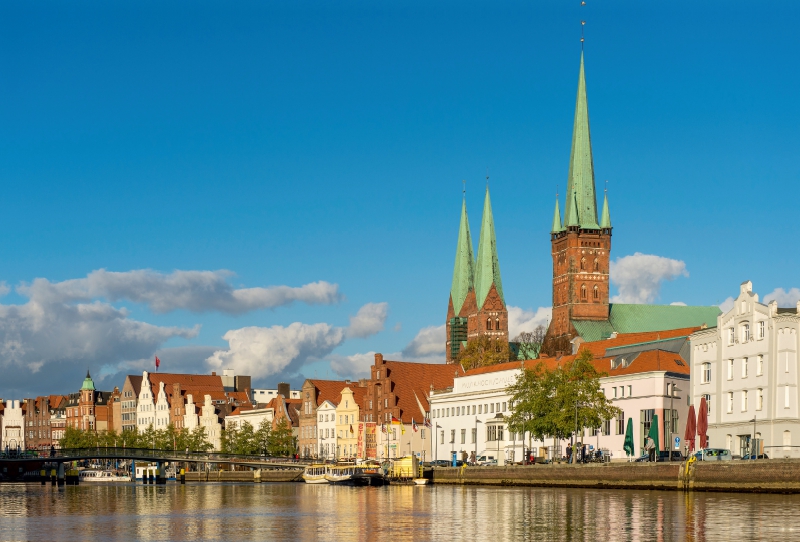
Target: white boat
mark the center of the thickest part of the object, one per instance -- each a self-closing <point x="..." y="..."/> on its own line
<point x="421" y="481"/>
<point x="101" y="476"/>
<point x="315" y="474"/>
<point x="340" y="474"/>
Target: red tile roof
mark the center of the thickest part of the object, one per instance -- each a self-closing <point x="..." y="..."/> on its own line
<point x="412" y="384"/>
<point x="329" y="390"/>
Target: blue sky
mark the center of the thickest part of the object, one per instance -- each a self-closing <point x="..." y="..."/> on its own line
<point x="311" y="141"/>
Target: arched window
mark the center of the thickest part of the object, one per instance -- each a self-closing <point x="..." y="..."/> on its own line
<point x="489" y="323"/>
<point x="583" y="264"/>
<point x="583" y="291"/>
<point x="596" y="293"/>
<point x="497" y="323"/>
<point x="596" y="265"/>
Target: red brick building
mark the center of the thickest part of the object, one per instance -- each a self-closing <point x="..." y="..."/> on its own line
<point x="313" y="393"/>
<point x="38" y="419"/>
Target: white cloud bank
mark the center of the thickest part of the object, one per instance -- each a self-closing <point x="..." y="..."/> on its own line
<point x="267" y="351"/>
<point x="638" y="277"/>
<point x="195" y="291"/>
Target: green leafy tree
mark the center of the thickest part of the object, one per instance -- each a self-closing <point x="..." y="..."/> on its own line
<point x="281" y="441"/>
<point x="484" y="351"/>
<point x="553" y="403"/>
<point x="196" y="440"/>
<point x="262" y="437"/>
<point x="73" y="438"/>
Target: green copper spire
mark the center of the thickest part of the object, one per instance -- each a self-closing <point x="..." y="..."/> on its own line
<point x="487" y="269"/>
<point x="572" y="216"/>
<point x="464" y="270"/>
<point x="88" y="383"/>
<point x="605" y="221"/>
<point x="581" y="168"/>
<point x="557" y="227"/>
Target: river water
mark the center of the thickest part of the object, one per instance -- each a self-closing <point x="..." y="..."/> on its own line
<point x="238" y="512"/>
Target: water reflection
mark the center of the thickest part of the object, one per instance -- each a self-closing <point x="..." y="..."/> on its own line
<point x="400" y="513"/>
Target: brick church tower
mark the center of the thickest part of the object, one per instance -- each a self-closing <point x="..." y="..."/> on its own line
<point x="581" y="246"/>
<point x="477" y="306"/>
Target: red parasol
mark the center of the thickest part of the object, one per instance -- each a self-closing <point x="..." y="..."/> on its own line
<point x="691" y="429"/>
<point x="702" y="423"/>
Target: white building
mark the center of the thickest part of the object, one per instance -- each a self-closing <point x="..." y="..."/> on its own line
<point x="326" y="430"/>
<point x="161" y="408"/>
<point x="646" y="378"/>
<point x="210" y="420"/>
<point x="265" y="396"/>
<point x="145" y="405"/>
<point x="12" y="427"/>
<point x="747" y="369"/>
<point x="255" y="417"/>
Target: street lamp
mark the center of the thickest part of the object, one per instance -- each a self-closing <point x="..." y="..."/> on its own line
<point x="477" y="421"/>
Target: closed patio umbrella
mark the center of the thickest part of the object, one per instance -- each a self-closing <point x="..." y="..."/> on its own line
<point x="691" y="429"/>
<point x="628" y="446"/>
<point x="702" y="423"/>
<point x="653" y="434"/>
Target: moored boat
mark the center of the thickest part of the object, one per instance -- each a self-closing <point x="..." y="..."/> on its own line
<point x="101" y="476"/>
<point x="315" y="474"/>
<point x="340" y="474"/>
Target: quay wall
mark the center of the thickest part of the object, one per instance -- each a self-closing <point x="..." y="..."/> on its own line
<point x="762" y="476"/>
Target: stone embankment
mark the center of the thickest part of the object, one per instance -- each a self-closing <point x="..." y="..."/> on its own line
<point x="763" y="476"/>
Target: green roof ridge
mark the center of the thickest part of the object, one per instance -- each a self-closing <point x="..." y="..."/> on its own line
<point x="581" y="168"/>
<point x="557" y="226"/>
<point x="605" y="221"/>
<point x="88" y="383"/>
<point x="464" y="269"/>
<point x="487" y="268"/>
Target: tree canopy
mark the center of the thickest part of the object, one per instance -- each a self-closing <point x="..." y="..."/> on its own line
<point x="483" y="351"/>
<point x="168" y="438"/>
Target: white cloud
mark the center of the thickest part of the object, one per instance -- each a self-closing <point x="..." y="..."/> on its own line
<point x="428" y="343"/>
<point x="354" y="366"/>
<point x="520" y="320"/>
<point x="369" y="320"/>
<point x="784" y="298"/>
<point x="638" y="278"/>
<point x="726" y="305"/>
<point x="267" y="351"/>
<point x="4" y="289"/>
<point x="195" y="291"/>
<point x="678" y="303"/>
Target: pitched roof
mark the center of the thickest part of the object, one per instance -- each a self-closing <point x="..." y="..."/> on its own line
<point x="634" y="318"/>
<point x="557" y="226"/>
<point x="487" y="267"/>
<point x="464" y="268"/>
<point x="605" y="221"/>
<point x="580" y="182"/>
<point x="412" y="384"/>
<point x="329" y="390"/>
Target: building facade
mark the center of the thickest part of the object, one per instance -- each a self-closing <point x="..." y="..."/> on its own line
<point x="747" y="370"/>
<point x="347" y="428"/>
<point x="314" y="393"/>
<point x="12" y="427"/>
<point x="326" y="430"/>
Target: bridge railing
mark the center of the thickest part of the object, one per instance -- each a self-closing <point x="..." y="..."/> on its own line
<point x="148" y="454"/>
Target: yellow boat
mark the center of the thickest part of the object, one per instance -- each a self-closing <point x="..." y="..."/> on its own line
<point x="315" y="474"/>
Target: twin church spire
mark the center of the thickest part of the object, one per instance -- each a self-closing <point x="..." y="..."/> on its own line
<point x="476" y="275"/>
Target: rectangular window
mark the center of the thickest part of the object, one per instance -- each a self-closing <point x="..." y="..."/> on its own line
<point x="744" y="401"/>
<point x="744" y="367"/>
<point x="630" y="391"/>
<point x="463" y="436"/>
<point x="504" y="408"/>
<point x="474" y="435"/>
<point x="422" y="434"/>
<point x="730" y="401"/>
<point x="452" y="435"/>
<point x="730" y="369"/>
<point x="706" y="376"/>
<point x="759" y="365"/>
<point x="731" y="336"/>
<point x="615" y="392"/>
<point x="441" y="436"/>
<point x="761" y="329"/>
<point x="480" y="409"/>
<point x="621" y="423"/>
<point x="606" y="427"/>
<point x="492" y="411"/>
<point x="759" y="399"/>
<point x="622" y="391"/>
<point x="746" y="333"/>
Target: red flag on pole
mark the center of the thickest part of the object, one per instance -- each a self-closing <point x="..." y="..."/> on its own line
<point x="158" y="362"/>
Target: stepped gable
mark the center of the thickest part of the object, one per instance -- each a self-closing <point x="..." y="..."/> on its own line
<point x="330" y="390"/>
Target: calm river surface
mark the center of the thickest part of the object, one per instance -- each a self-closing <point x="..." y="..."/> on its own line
<point x="237" y="512"/>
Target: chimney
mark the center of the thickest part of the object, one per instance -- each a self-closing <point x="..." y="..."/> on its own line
<point x="213" y="373"/>
<point x="378" y="359"/>
<point x="283" y="389"/>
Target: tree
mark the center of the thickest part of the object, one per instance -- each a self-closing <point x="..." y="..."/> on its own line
<point x="530" y="342"/>
<point x="551" y="403"/>
<point x="281" y="440"/>
<point x="196" y="440"/>
<point x="484" y="351"/>
<point x="262" y="437"/>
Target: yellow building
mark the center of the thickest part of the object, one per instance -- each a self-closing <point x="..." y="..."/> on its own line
<point x="347" y="413"/>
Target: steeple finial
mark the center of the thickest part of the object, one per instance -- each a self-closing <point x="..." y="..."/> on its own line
<point x="605" y="219"/>
<point x="557" y="226"/>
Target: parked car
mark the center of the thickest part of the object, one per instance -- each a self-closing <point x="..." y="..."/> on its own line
<point x="488" y="463"/>
<point x="441" y="463"/>
<point x="759" y="456"/>
<point x="713" y="454"/>
<point x="663" y="455"/>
